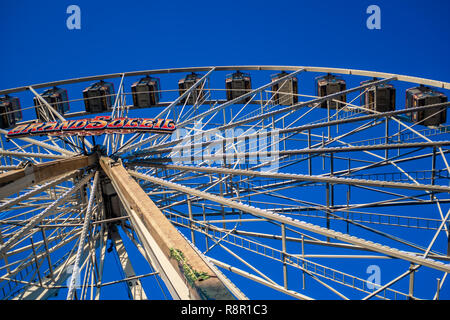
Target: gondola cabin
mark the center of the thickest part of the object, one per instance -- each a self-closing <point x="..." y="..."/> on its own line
<point x="99" y="97"/>
<point x="57" y="98"/>
<point x="184" y="84"/>
<point x="284" y="92"/>
<point x="10" y="111"/>
<point x="238" y="84"/>
<point x="380" y="98"/>
<point x="329" y="84"/>
<point x="146" y="92"/>
<point x="424" y="96"/>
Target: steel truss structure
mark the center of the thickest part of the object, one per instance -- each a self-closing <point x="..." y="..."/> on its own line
<point x="252" y="197"/>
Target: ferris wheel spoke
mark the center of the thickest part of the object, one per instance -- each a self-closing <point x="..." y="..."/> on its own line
<point x="36" y="219"/>
<point x="117" y="111"/>
<point x="184" y="95"/>
<point x="299" y="261"/>
<point x="63" y="237"/>
<point x="307" y="127"/>
<point x="12" y="182"/>
<point x="218" y="108"/>
<point x="238" y="99"/>
<point x="410" y="128"/>
<point x="24" y="265"/>
<point x="52" y="284"/>
<point x="240" y="137"/>
<point x="299" y="177"/>
<point x="313" y="207"/>
<point x="30" y="156"/>
<point x="426" y="139"/>
<point x="136" y="201"/>
<point x="38" y="190"/>
<point x="52" y="114"/>
<point x="285" y="109"/>
<point x="302" y="225"/>
<point x="311" y="102"/>
<point x="44" y="145"/>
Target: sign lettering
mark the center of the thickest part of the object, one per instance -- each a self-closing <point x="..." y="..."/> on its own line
<point x="98" y="125"/>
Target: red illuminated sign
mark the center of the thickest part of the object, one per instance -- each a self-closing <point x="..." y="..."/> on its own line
<point x="98" y="125"/>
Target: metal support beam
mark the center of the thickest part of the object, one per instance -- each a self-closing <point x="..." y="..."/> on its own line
<point x="218" y="108"/>
<point x="305" y="151"/>
<point x="185" y="94"/>
<point x="171" y="252"/>
<point x="301" y="177"/>
<point x="309" y="126"/>
<point x="42" y="101"/>
<point x="411" y="281"/>
<point x="18" y="154"/>
<point x="283" y="243"/>
<point x="51" y="285"/>
<point x="240" y="98"/>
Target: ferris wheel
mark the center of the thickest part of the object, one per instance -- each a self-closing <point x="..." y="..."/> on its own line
<point x="231" y="182"/>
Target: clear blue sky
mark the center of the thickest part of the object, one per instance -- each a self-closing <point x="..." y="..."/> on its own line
<point x="118" y="36"/>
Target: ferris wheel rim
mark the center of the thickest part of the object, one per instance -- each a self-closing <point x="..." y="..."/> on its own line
<point x="342" y="71"/>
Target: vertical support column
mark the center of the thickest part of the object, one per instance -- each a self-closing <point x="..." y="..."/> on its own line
<point x="102" y="243"/>
<point x="44" y="238"/>
<point x="84" y="234"/>
<point x="411" y="281"/>
<point x="323" y="155"/>
<point x="206" y="227"/>
<point x="38" y="271"/>
<point x="348" y="195"/>
<point x="329" y="194"/>
<point x="303" y="263"/>
<point x="309" y="155"/>
<point x="438" y="289"/>
<point x="283" y="244"/>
